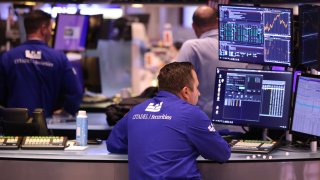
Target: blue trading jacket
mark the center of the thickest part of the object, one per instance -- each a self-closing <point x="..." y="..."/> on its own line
<point x="163" y="137"/>
<point x="33" y="75"/>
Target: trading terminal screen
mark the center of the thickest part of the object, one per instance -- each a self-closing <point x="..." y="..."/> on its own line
<point x="254" y="98"/>
<point x="71" y="32"/>
<point x="309" y="28"/>
<point x="257" y="35"/>
<point x="306" y="112"/>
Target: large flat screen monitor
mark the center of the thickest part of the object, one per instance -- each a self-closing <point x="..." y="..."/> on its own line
<point x="309" y="35"/>
<point x="257" y="35"/>
<point x="306" y="112"/>
<point x="71" y="32"/>
<point x="254" y="98"/>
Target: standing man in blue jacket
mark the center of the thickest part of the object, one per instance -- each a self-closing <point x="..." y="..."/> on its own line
<point x="163" y="136"/>
<point x="34" y="75"/>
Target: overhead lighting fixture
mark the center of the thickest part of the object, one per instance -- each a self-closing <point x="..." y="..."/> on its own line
<point x="28" y="3"/>
<point x="137" y="5"/>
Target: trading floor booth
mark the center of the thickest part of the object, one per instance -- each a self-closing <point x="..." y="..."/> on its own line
<point x="97" y="163"/>
<point x="249" y="98"/>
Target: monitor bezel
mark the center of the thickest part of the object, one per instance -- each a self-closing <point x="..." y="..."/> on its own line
<point x="253" y="125"/>
<point x="294" y="105"/>
<point x="265" y="63"/>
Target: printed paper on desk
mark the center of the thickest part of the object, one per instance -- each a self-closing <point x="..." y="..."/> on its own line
<point x="76" y="148"/>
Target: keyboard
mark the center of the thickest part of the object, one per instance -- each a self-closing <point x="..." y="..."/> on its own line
<point x="252" y="146"/>
<point x="44" y="142"/>
<point x="10" y="142"/>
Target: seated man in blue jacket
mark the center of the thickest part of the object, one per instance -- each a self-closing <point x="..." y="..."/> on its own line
<point x="163" y="136"/>
<point x="33" y="75"/>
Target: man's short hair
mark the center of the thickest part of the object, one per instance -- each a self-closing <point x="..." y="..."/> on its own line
<point x="35" y="19"/>
<point x="204" y="20"/>
<point x="173" y="77"/>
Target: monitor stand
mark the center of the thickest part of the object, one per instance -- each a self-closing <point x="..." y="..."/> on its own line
<point x="288" y="141"/>
<point x="265" y="134"/>
<point x="288" y="136"/>
<point x="313" y="145"/>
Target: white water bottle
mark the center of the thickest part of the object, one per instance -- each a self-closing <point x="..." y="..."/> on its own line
<point x="82" y="128"/>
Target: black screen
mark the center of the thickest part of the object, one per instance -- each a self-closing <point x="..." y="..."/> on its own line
<point x="252" y="98"/>
<point x="256" y="35"/>
<point x="309" y="36"/>
<point x="307" y="106"/>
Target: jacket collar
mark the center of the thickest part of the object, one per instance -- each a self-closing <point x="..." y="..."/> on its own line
<point x="35" y="42"/>
<point x="166" y="94"/>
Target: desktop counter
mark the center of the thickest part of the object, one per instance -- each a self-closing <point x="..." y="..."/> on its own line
<point x="97" y="163"/>
<point x="97" y="126"/>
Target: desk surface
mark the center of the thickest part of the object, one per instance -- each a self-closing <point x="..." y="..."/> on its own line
<point x="96" y="121"/>
<point x="100" y="153"/>
<point x="97" y="163"/>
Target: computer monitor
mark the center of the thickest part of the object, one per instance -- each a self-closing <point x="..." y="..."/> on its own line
<point x="258" y="35"/>
<point x="307" y="106"/>
<point x="309" y="35"/>
<point x="71" y="32"/>
<point x="17" y="122"/>
<point x="254" y="98"/>
<point x="95" y="31"/>
<point x="91" y="74"/>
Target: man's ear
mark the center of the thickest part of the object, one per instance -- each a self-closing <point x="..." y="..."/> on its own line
<point x="184" y="93"/>
<point x="42" y="29"/>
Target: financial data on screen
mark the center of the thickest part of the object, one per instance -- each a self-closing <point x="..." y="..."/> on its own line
<point x="306" y="113"/>
<point x="256" y="35"/>
<point x="252" y="98"/>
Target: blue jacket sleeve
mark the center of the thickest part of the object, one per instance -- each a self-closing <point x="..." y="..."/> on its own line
<point x="206" y="139"/>
<point x="72" y="91"/>
<point x="118" y="139"/>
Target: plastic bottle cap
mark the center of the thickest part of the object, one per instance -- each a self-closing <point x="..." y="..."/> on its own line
<point x="82" y="113"/>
